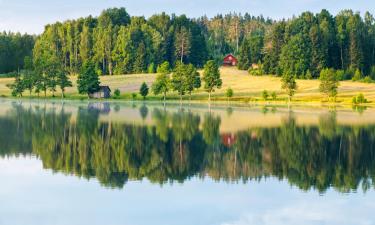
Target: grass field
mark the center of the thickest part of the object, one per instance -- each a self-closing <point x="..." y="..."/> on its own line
<point x="246" y="87"/>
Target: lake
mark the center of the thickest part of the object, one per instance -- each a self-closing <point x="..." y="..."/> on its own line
<point x="133" y="163"/>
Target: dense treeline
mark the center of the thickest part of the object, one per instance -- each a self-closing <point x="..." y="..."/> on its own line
<point x="182" y="144"/>
<point x="339" y="47"/>
<point x="305" y="45"/>
<point x="120" y="44"/>
<point x="14" y="47"/>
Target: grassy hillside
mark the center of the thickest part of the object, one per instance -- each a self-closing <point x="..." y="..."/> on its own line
<point x="246" y="87"/>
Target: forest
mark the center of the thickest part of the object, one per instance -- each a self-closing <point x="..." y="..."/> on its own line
<point x="14" y="47"/>
<point x="310" y="46"/>
<point x="121" y="44"/>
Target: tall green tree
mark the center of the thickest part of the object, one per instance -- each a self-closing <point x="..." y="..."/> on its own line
<point x="289" y="84"/>
<point x="211" y="77"/>
<point x="328" y="83"/>
<point x="193" y="79"/>
<point x="88" y="79"/>
<point x="162" y="83"/>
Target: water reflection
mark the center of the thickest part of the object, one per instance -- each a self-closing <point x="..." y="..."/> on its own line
<point x="175" y="145"/>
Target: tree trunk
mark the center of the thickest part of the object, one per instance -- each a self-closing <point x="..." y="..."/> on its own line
<point x="164" y="96"/>
<point x="110" y="68"/>
<point x="209" y="96"/>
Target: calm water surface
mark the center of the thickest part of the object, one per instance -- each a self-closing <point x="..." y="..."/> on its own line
<point x="109" y="163"/>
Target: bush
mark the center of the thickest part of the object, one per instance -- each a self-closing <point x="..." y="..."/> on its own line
<point x="340" y="75"/>
<point x="357" y="75"/>
<point x="308" y="75"/>
<point x="134" y="95"/>
<point x="256" y="71"/>
<point x="151" y="68"/>
<point x="348" y="74"/>
<point x="116" y="94"/>
<point x="359" y="99"/>
<point x="265" y="95"/>
<point x="229" y="93"/>
<point x="367" y="79"/>
<point x="274" y="95"/>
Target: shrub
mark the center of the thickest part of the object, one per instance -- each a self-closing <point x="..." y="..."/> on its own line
<point x="340" y="75"/>
<point x="229" y="93"/>
<point x="134" y="95"/>
<point x="367" y="79"/>
<point x="117" y="93"/>
<point x="274" y="95"/>
<point x="308" y="75"/>
<point x="265" y="95"/>
<point x="256" y="71"/>
<point x="357" y="75"/>
<point x="349" y="73"/>
<point x="359" y="99"/>
<point x="151" y="68"/>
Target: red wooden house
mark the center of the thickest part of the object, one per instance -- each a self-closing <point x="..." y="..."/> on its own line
<point x="230" y="60"/>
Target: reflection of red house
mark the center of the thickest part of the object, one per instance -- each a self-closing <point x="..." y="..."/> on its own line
<point x="228" y="139"/>
<point x="230" y="60"/>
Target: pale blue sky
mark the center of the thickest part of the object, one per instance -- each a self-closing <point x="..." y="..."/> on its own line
<point x="31" y="15"/>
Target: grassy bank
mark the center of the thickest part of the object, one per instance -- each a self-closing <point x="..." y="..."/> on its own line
<point x="246" y="88"/>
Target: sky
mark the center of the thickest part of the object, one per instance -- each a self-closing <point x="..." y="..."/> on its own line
<point x="31" y="16"/>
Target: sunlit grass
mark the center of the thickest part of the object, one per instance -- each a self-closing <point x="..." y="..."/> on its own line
<point x="246" y="87"/>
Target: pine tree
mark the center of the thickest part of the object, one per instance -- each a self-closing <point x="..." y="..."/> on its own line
<point x="143" y="90"/>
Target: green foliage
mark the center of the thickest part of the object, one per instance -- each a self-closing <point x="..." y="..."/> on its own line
<point x="164" y="68"/>
<point x="372" y="73"/>
<point x="178" y="79"/>
<point x="274" y="95"/>
<point x="192" y="79"/>
<point x="295" y="56"/>
<point x="328" y="83"/>
<point x="229" y="93"/>
<point x="308" y="75"/>
<point x="256" y="71"/>
<point x="117" y="94"/>
<point x="17" y="87"/>
<point x="211" y="77"/>
<point x="340" y="75"/>
<point x="88" y="79"/>
<point x="357" y="75"/>
<point x="14" y="47"/>
<point x="288" y="83"/>
<point x="151" y="68"/>
<point x="359" y="99"/>
<point x="193" y="140"/>
<point x="368" y="80"/>
<point x="63" y="82"/>
<point x="162" y="84"/>
<point x="143" y="90"/>
<point x="265" y="95"/>
<point x="134" y="96"/>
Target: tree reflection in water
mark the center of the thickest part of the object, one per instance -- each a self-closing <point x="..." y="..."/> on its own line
<point x="182" y="144"/>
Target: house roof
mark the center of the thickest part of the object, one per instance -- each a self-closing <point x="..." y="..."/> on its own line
<point x="230" y="57"/>
<point x="104" y="88"/>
